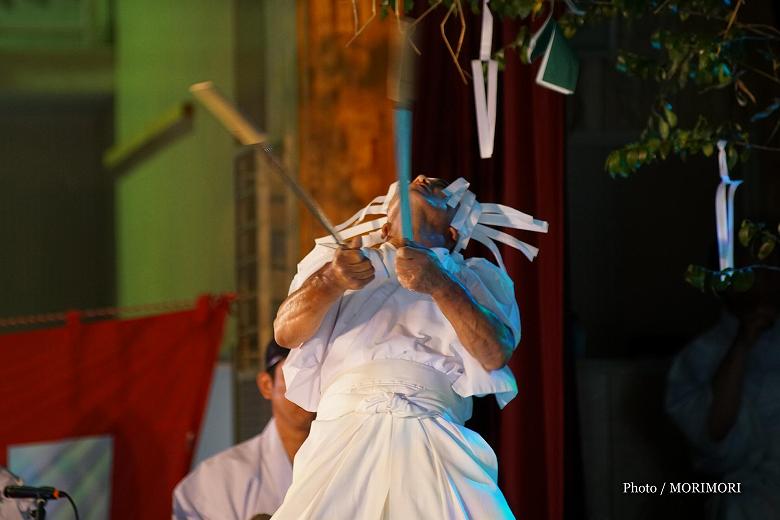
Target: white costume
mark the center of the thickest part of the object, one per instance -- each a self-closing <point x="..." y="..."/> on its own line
<point x="392" y="386"/>
<point x="750" y="452"/>
<point x="239" y="483"/>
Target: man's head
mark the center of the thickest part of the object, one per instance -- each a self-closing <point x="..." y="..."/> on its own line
<point x="431" y="216"/>
<point x="272" y="386"/>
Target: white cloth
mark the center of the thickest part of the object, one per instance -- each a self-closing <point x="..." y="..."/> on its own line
<point x="389" y="443"/>
<point x="238" y="483"/>
<point x="385" y="321"/>
<point x="750" y="452"/>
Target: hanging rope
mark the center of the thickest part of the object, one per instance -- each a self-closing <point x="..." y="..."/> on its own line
<point x="104" y="312"/>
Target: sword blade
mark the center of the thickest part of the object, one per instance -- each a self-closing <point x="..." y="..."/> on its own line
<point x="238" y="125"/>
<point x="301" y="193"/>
<point x="403" y="153"/>
<point x="401" y="83"/>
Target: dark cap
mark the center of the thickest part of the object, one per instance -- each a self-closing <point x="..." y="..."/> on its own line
<point x="273" y="355"/>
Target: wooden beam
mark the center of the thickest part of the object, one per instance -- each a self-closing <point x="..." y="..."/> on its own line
<point x="156" y="135"/>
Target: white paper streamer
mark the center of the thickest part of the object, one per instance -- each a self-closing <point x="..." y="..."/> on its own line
<point x="485" y="103"/>
<point x="471" y="220"/>
<point x="724" y="210"/>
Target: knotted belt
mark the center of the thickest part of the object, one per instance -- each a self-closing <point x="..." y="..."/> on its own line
<point x="400" y="388"/>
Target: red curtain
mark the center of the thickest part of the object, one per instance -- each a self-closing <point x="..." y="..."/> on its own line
<point x="143" y="381"/>
<point x="526" y="173"/>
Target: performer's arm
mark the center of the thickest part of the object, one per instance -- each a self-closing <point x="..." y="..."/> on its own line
<point x="728" y="381"/>
<point x="301" y="314"/>
<point x="479" y="330"/>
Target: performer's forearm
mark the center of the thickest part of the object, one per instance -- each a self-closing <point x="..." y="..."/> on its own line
<point x="478" y="329"/>
<point x="727" y="389"/>
<point x="301" y="314"/>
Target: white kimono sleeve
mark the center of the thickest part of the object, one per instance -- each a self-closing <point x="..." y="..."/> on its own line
<point x="689" y="400"/>
<point x="492" y="288"/>
<point x="302" y="367"/>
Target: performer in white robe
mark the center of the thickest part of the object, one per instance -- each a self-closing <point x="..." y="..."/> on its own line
<point x="390" y="344"/>
<point x="724" y="394"/>
<point x="251" y="478"/>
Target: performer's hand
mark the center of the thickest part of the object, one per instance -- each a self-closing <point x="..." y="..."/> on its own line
<point x="418" y="269"/>
<point x="350" y="268"/>
<point x="754" y="322"/>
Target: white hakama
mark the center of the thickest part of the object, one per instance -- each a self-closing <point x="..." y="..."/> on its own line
<point x="392" y="385"/>
<point x="389" y="443"/>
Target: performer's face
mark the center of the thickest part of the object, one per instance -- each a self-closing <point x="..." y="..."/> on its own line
<point x="431" y="216"/>
<point x="273" y="389"/>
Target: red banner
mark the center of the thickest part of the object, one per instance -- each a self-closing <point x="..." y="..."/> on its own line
<point x="143" y="382"/>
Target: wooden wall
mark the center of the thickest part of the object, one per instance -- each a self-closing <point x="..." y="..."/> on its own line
<point x="346" y="132"/>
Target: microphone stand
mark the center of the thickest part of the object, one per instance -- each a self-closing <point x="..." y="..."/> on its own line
<point x="40" y="509"/>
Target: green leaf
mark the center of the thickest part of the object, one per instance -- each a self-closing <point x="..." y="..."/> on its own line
<point x="743" y="280"/>
<point x="767" y="246"/>
<point x="747" y="230"/>
<point x="663" y="129"/>
<point x="682" y="77"/>
<point x="612" y="164"/>
<point x="707" y="149"/>
<point x="732" y="156"/>
<point x="666" y="147"/>
<point x="704" y="61"/>
<point x="653" y="144"/>
<point x="621" y="64"/>
<point x="671" y="117"/>
<point x="696" y="276"/>
<point x="500" y="59"/>
<point x="682" y="138"/>
<point x="632" y="159"/>
<point x="625" y="167"/>
<point x="724" y="74"/>
<point x="521" y="37"/>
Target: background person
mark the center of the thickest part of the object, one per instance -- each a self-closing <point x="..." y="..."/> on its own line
<point x="251" y="478"/>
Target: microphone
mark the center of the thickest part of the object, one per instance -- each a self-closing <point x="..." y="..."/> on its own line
<point x="45" y="493"/>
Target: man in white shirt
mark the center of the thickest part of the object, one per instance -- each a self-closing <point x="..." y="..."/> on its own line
<point x="249" y="479"/>
<point x="389" y="344"/>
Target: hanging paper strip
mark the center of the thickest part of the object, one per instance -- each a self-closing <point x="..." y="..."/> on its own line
<point x="485" y="99"/>
<point x="137" y="387"/>
<point x="724" y="210"/>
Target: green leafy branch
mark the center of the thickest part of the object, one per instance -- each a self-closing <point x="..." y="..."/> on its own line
<point x="688" y="60"/>
<point x="699" y="48"/>
<point x="663" y="137"/>
<point x="762" y="245"/>
<point x="758" y="239"/>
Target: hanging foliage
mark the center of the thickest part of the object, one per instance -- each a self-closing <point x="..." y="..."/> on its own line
<point x="698" y="48"/>
<point x="761" y="243"/>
